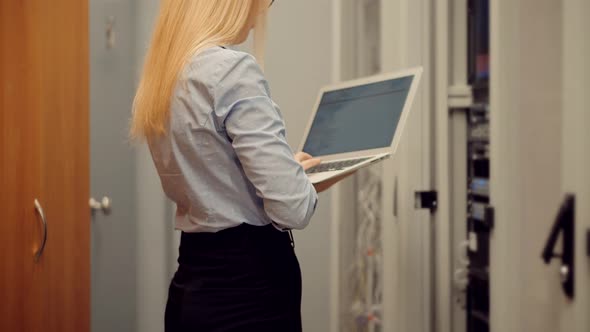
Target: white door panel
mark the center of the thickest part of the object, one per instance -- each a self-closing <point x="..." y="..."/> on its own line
<point x="539" y="153"/>
<point x="405" y="42"/>
<point x="406" y="271"/>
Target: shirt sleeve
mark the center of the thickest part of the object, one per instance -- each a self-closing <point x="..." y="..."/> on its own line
<point x="253" y="123"/>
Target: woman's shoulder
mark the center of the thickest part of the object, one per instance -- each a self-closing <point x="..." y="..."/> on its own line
<point x="218" y="54"/>
<point x="216" y="64"/>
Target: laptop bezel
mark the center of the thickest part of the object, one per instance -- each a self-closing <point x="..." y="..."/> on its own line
<point x="416" y="72"/>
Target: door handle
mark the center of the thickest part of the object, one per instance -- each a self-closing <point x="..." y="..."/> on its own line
<point x="564" y="223"/>
<point x="103" y="205"/>
<point x="41" y="213"/>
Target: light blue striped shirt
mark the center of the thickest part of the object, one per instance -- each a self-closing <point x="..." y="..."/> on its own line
<point x="225" y="159"/>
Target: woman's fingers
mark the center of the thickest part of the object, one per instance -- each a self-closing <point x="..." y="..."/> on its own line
<point x="306" y="160"/>
<point x="309" y="163"/>
<point x="302" y="156"/>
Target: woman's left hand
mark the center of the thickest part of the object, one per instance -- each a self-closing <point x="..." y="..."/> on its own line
<point x="306" y="160"/>
<point x="327" y="184"/>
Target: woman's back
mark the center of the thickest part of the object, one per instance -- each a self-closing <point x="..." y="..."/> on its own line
<point x="224" y="160"/>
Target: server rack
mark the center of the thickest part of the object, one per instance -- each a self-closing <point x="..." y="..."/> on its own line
<point x="479" y="211"/>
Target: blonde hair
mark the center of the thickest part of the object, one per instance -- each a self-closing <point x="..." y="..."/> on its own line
<point x="183" y="29"/>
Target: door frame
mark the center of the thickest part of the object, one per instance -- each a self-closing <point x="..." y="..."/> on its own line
<point x="576" y="151"/>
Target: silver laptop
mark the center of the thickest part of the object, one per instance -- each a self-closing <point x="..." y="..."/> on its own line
<point x="358" y="123"/>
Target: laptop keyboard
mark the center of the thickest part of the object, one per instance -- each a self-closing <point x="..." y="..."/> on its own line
<point x="335" y="166"/>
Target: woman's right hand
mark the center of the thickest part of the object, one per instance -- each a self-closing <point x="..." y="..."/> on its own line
<point x="306" y="160"/>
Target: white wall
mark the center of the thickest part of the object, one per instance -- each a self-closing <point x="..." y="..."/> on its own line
<point x="298" y="63"/>
<point x="156" y="246"/>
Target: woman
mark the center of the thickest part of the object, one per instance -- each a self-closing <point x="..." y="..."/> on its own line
<point x="218" y="143"/>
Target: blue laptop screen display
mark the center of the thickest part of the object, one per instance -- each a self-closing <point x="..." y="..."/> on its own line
<point x="358" y="118"/>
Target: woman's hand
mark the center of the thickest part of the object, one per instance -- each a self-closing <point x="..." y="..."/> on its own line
<point x="306" y="160"/>
<point x="327" y="184"/>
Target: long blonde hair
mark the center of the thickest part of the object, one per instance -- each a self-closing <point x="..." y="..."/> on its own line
<point x="183" y="29"/>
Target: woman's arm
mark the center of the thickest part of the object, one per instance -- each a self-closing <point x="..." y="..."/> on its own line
<point x="257" y="132"/>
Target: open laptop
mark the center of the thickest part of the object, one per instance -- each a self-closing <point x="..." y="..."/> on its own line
<point x="358" y="123"/>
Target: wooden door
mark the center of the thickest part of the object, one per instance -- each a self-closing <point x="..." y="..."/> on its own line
<point x="63" y="76"/>
<point x="19" y="171"/>
<point x="44" y="98"/>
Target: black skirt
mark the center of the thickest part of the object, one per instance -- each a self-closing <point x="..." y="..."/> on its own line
<point x="245" y="278"/>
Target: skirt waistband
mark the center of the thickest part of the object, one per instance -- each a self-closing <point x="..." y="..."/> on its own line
<point x="233" y="241"/>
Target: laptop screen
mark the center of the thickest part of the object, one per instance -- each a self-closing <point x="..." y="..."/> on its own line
<point x="358" y="118"/>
